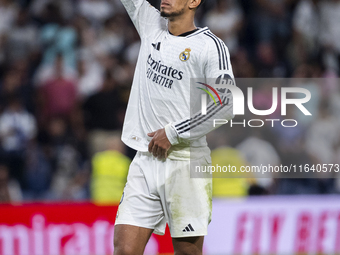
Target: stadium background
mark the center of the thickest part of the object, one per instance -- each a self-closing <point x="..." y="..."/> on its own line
<point x="66" y="68"/>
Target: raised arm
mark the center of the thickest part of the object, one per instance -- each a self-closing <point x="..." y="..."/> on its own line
<point x="145" y="17"/>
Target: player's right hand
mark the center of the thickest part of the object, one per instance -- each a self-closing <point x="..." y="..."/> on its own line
<point x="159" y="145"/>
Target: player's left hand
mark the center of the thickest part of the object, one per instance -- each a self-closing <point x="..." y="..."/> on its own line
<point x="159" y="145"/>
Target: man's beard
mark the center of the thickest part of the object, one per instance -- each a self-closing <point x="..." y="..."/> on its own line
<point x="172" y="14"/>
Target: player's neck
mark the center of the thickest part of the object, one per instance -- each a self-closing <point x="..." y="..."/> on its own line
<point x="181" y="25"/>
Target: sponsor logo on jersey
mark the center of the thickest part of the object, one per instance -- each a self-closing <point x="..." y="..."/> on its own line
<point x="162" y="74"/>
<point x="185" y="55"/>
<point x="157" y="46"/>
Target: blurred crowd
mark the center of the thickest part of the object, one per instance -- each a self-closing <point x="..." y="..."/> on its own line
<point x="66" y="68"/>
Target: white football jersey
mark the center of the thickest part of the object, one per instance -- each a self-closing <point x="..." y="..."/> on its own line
<point x="160" y="93"/>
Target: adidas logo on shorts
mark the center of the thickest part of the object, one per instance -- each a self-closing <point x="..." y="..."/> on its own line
<point x="188" y="228"/>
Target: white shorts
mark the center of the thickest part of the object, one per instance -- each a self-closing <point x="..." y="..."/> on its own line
<point x="161" y="191"/>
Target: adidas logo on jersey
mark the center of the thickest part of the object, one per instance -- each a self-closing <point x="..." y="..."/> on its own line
<point x="157" y="46"/>
<point x="188" y="228"/>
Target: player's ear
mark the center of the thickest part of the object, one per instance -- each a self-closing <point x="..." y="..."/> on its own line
<point x="193" y="4"/>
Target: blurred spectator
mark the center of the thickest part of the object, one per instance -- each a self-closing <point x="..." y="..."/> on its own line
<point x="90" y="77"/>
<point x="288" y="138"/>
<point x="77" y="187"/>
<point x="225" y="21"/>
<point x="298" y="150"/>
<point x="301" y="79"/>
<point x="103" y="113"/>
<point x="17" y="129"/>
<point x="132" y="51"/>
<point x="229" y="184"/>
<point x="40" y="9"/>
<point x="10" y="85"/>
<point x="87" y="38"/>
<point x="258" y="152"/>
<point x="22" y="75"/>
<point x="38" y="173"/>
<point x="57" y="37"/>
<point x="306" y="31"/>
<point x="272" y="20"/>
<point x="96" y="11"/>
<point x="58" y="69"/>
<point x="9" y="188"/>
<point x="330" y="33"/>
<point x="242" y="67"/>
<point x="17" y="126"/>
<point x="109" y="171"/>
<point x="16" y="80"/>
<point x="8" y="14"/>
<point x="58" y="94"/>
<point x="22" y="41"/>
<point x="296" y="183"/>
<point x="323" y="135"/>
<point x="269" y="63"/>
<point x="65" y="159"/>
<point x="111" y="38"/>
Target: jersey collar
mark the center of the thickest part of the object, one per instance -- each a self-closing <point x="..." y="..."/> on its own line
<point x="190" y="33"/>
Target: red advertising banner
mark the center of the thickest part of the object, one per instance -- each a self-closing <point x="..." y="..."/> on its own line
<point x="53" y="229"/>
<point x="263" y="225"/>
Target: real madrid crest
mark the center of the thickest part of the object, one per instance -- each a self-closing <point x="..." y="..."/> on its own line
<point x="185" y="55"/>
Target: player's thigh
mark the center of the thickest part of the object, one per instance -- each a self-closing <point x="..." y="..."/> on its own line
<point x="188" y="201"/>
<point x="188" y="245"/>
<point x="130" y="240"/>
